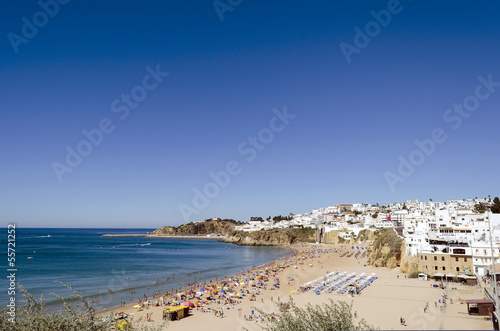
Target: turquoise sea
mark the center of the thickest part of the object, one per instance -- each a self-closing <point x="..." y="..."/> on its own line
<point x="114" y="267"/>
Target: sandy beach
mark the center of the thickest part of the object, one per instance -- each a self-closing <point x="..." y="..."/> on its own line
<point x="382" y="303"/>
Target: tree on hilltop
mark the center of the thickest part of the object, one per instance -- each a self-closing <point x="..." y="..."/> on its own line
<point x="495" y="209"/>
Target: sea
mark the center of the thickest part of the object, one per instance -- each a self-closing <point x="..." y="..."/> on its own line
<point x="109" y="270"/>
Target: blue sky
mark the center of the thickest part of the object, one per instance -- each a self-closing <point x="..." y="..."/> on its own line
<point x="352" y="120"/>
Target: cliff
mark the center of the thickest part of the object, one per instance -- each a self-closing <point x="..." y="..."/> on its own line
<point x="270" y="237"/>
<point x="332" y="237"/>
<point x="409" y="263"/>
<point x="223" y="227"/>
<point x="385" y="250"/>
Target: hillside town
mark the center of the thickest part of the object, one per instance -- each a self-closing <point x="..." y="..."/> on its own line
<point x="456" y="238"/>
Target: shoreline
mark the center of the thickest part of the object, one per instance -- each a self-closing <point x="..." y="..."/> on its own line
<point x="158" y="236"/>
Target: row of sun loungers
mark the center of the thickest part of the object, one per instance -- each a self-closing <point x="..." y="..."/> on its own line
<point x="338" y="282"/>
<point x="366" y="283"/>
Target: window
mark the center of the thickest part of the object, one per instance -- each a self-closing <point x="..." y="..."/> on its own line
<point x="435" y="258"/>
<point x="436" y="268"/>
<point x="465" y="259"/>
<point x="456" y="259"/>
<point x="458" y="269"/>
<point x="442" y="258"/>
<point x="444" y="268"/>
<point x="426" y="257"/>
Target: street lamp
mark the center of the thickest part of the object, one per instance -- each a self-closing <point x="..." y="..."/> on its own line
<point x="495" y="288"/>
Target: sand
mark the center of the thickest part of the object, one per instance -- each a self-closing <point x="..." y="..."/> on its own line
<point x="381" y="304"/>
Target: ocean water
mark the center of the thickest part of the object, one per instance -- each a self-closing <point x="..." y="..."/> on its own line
<point x="113" y="267"/>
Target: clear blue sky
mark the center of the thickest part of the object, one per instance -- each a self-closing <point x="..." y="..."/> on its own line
<point x="353" y="120"/>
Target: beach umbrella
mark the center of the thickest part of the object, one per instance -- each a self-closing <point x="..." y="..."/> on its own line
<point x="202" y="289"/>
<point x="120" y="314"/>
<point x="226" y="288"/>
<point x="223" y="292"/>
<point x="190" y="304"/>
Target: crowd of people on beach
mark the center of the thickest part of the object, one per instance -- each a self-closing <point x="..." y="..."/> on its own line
<point x="225" y="293"/>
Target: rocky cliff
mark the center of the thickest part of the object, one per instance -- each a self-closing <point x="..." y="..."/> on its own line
<point x="385" y="249"/>
<point x="409" y="263"/>
<point x="270" y="237"/>
<point x="333" y="237"/>
<point x="223" y="227"/>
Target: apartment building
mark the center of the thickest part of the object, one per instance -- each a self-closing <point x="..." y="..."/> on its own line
<point x="457" y="262"/>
